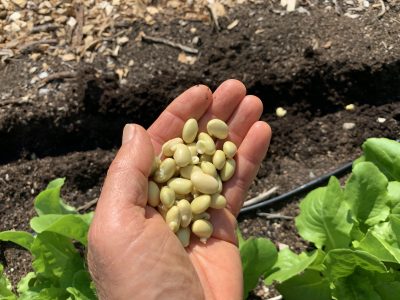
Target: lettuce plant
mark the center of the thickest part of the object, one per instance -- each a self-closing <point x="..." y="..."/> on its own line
<point x="59" y="270"/>
<point x="355" y="231"/>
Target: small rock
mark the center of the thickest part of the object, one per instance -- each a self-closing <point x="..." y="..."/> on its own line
<point x="381" y="120"/>
<point x="15" y="16"/>
<point x="233" y="24"/>
<point x="43" y="92"/>
<point x="350" y="107"/>
<point x="195" y="40"/>
<point x="280" y="112"/>
<point x="193" y="30"/>
<point x="348" y="126"/>
<point x="72" y="22"/>
<point x="68" y="57"/>
<point x="291" y="5"/>
<point x="20" y="3"/>
<point x="282" y="246"/>
<point x="122" y="40"/>
<point x="43" y="75"/>
<point x="32" y="70"/>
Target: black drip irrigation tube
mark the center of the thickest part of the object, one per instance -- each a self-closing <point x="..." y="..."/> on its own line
<point x="301" y="189"/>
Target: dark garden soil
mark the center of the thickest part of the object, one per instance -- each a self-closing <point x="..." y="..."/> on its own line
<point x="312" y="65"/>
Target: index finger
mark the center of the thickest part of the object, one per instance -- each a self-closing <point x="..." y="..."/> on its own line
<point x="193" y="103"/>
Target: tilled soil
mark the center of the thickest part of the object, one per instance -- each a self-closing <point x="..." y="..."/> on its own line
<point x="310" y="65"/>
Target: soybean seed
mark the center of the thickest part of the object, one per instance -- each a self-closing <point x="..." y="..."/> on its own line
<point x="182" y="155"/>
<point x="219" y="159"/>
<point x="203" y="229"/>
<point x="228" y="170"/>
<point x="153" y="194"/>
<point x="173" y="218"/>
<point x="167" y="147"/>
<point x="217" y="128"/>
<point x="218" y="201"/>
<point x="186" y="212"/>
<point x="189" y="131"/>
<point x="183" y="235"/>
<point x="180" y="185"/>
<point x="204" y="183"/>
<point x="200" y="204"/>
<point x="230" y="149"/>
<point x="167" y="196"/>
<point x="165" y="171"/>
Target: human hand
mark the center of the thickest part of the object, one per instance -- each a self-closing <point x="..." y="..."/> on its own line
<point x="132" y="252"/>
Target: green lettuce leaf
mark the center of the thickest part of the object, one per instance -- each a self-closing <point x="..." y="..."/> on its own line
<point x="324" y="218"/>
<point x="342" y="263"/>
<point x="72" y="226"/>
<point x="56" y="258"/>
<point x="21" y="238"/>
<point x="366" y="195"/>
<point x="258" y="256"/>
<point x="310" y="285"/>
<point x="289" y="264"/>
<point x="382" y="242"/>
<point x="394" y="197"/>
<point x="81" y="287"/>
<point x="367" y="285"/>
<point x="5" y="287"/>
<point x="385" y="154"/>
<point x="50" y="202"/>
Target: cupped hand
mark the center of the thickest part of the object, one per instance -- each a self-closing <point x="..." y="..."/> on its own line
<point x="132" y="252"/>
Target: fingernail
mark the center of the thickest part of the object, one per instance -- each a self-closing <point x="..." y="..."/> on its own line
<point x="129" y="133"/>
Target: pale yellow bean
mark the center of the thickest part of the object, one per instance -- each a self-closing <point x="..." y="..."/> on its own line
<point x="167" y="147"/>
<point x="192" y="149"/>
<point x="230" y="149"/>
<point x="165" y="171"/>
<point x="204" y="183"/>
<point x="218" y="201"/>
<point x="219" y="159"/>
<point x="190" y="130"/>
<point x="180" y="186"/>
<point x="186" y="212"/>
<point x="203" y="229"/>
<point x="182" y="155"/>
<point x="153" y="194"/>
<point x="183" y="235"/>
<point x="204" y="215"/>
<point x="208" y="142"/>
<point x="186" y="172"/>
<point x="173" y="218"/>
<point x="220" y="185"/>
<point x="200" y="204"/>
<point x="155" y="165"/>
<point x="217" y="128"/>
<point x="228" y="170"/>
<point x="208" y="168"/>
<point x="167" y="196"/>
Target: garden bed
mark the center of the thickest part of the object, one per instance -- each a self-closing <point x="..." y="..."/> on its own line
<point x="312" y="65"/>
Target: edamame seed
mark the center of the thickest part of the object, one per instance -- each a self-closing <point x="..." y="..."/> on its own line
<point x="208" y="168"/>
<point x="183" y="235"/>
<point x="167" y="196"/>
<point x="200" y="204"/>
<point x="180" y="186"/>
<point x="219" y="159"/>
<point x="218" y="201"/>
<point x="228" y="170"/>
<point x="153" y="194"/>
<point x="189" y="131"/>
<point x="173" y="218"/>
<point x="186" y="212"/>
<point x="167" y="147"/>
<point x="182" y="155"/>
<point x="165" y="171"/>
<point x="204" y="183"/>
<point x="217" y="128"/>
<point x="230" y="149"/>
<point x="203" y="229"/>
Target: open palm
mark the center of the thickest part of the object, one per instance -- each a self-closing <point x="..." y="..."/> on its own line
<point x="132" y="252"/>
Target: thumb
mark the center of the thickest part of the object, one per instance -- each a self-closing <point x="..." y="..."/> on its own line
<point x="126" y="183"/>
